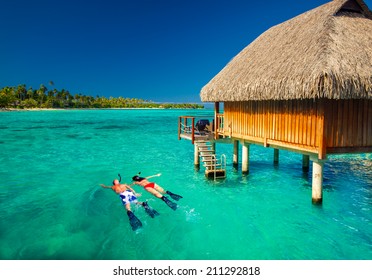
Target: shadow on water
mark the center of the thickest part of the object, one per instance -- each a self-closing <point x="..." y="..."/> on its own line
<point x="109" y="127"/>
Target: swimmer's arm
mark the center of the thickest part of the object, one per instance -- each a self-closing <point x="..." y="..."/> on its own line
<point x="156" y="175"/>
<point x="133" y="191"/>
<point x="106" y="187"/>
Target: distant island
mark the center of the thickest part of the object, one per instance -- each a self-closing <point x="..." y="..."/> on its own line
<point x="20" y="97"/>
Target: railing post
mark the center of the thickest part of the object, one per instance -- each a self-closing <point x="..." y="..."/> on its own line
<point x="192" y="130"/>
<point x="179" y="127"/>
<point x="217" y="118"/>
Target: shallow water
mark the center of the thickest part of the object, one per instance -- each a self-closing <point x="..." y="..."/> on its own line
<point x="52" y="207"/>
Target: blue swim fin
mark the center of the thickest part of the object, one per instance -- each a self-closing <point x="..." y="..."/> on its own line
<point x="151" y="212"/>
<point x="174" y="196"/>
<point x="135" y="223"/>
<point x="169" y="203"/>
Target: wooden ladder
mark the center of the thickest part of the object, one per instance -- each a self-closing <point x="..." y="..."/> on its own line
<point x="214" y="167"/>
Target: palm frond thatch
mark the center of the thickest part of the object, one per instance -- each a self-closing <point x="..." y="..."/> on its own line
<point x="323" y="53"/>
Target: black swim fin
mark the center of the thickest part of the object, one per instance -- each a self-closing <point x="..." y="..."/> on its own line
<point x="169" y="203"/>
<point x="151" y="212"/>
<point x="174" y="196"/>
<point x="135" y="223"/>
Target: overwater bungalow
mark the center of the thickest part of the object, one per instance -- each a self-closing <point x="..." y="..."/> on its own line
<point x="304" y="85"/>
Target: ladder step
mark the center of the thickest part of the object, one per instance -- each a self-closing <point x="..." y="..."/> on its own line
<point x="209" y="160"/>
<point x="204" y="144"/>
<point x="205" y="149"/>
<point x="219" y="173"/>
<point x="209" y="152"/>
<point x="211" y="165"/>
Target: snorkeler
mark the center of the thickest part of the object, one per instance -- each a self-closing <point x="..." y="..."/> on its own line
<point x="156" y="190"/>
<point x="128" y="196"/>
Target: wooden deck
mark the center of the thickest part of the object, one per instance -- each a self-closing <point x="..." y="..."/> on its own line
<point x="197" y="137"/>
<point x="189" y="130"/>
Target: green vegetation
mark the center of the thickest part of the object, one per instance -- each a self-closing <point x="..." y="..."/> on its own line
<point x="22" y="98"/>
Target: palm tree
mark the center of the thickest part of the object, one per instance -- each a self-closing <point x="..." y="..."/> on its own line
<point x="41" y="93"/>
<point x="21" y="92"/>
<point x="7" y="97"/>
<point x="30" y="93"/>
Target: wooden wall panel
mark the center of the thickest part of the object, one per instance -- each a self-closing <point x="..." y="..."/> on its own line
<point x="344" y="123"/>
<point x="348" y="123"/>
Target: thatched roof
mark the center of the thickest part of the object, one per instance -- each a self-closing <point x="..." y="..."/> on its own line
<point x="323" y="53"/>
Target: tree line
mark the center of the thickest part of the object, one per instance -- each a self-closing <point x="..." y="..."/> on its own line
<point x="21" y="97"/>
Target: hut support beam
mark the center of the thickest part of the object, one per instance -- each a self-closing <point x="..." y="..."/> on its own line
<point x="245" y="158"/>
<point x="276" y="156"/>
<point x="196" y="155"/>
<point x="317" y="184"/>
<point x="236" y="153"/>
<point x="305" y="163"/>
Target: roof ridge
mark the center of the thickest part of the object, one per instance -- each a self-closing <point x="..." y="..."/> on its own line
<point x="316" y="54"/>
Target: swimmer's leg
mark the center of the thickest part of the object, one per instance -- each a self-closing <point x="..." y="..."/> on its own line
<point x="172" y="195"/>
<point x="154" y="192"/>
<point x="162" y="197"/>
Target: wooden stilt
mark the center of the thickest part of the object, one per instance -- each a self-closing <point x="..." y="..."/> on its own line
<point x="317" y="184"/>
<point x="213" y="146"/>
<point x="196" y="155"/>
<point x="245" y="158"/>
<point x="276" y="156"/>
<point x="236" y="153"/>
<point x="305" y="163"/>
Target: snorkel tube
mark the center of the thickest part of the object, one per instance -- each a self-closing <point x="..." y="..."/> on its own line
<point x="119" y="178"/>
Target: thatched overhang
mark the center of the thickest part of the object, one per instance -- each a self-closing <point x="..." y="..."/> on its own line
<point x="323" y="53"/>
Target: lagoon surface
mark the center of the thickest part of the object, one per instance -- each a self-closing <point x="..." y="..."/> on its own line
<point x="52" y="207"/>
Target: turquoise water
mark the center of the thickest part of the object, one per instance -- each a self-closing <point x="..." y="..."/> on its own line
<point x="52" y="207"/>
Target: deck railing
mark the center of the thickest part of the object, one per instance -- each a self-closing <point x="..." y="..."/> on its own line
<point x="187" y="128"/>
<point x="219" y="125"/>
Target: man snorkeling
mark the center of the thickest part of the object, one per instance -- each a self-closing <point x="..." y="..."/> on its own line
<point x="156" y="190"/>
<point x="128" y="196"/>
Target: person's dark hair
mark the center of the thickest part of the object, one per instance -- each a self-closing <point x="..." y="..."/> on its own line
<point x="136" y="178"/>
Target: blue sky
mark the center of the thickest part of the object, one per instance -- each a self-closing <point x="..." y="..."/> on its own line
<point x="160" y="50"/>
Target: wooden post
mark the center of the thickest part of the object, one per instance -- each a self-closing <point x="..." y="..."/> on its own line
<point x="317" y="184"/>
<point x="276" y="156"/>
<point x="216" y="120"/>
<point x="305" y="163"/>
<point x="179" y="127"/>
<point x="245" y="158"/>
<point x="192" y="130"/>
<point x="322" y="154"/>
<point x="236" y="153"/>
<point x="196" y="155"/>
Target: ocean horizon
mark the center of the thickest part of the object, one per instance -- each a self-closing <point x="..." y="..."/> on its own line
<point x="52" y="163"/>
